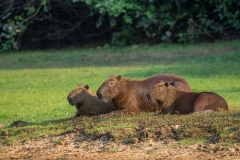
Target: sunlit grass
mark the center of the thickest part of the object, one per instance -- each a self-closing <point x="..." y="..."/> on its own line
<point x="34" y="86"/>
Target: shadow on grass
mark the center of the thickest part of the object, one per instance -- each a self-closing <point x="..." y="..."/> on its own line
<point x="126" y="57"/>
<point x="71" y="120"/>
<point x="228" y="65"/>
<point x="20" y="123"/>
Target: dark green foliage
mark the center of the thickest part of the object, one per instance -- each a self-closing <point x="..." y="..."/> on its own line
<point x="53" y="23"/>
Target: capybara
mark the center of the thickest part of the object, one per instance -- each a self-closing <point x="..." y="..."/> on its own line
<point x="172" y="100"/>
<point x="87" y="102"/>
<point x="129" y="95"/>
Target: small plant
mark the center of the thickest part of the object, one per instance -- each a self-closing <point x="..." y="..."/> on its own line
<point x="57" y="142"/>
<point x="85" y="146"/>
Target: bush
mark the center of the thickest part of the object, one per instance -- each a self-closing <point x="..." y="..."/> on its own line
<point x="175" y="20"/>
<point x="54" y="23"/>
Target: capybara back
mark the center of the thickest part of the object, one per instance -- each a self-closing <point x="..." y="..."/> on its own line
<point x="130" y="95"/>
<point x="172" y="100"/>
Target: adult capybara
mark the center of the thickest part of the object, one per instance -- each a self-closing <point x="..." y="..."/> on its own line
<point x="129" y="95"/>
<point x="87" y="102"/>
<point x="172" y="100"/>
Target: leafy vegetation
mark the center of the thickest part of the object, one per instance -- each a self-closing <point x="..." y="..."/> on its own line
<point x="47" y="24"/>
<point x="34" y="86"/>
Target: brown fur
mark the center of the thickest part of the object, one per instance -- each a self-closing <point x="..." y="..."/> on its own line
<point x="172" y="100"/>
<point x="130" y="95"/>
<point x="87" y="103"/>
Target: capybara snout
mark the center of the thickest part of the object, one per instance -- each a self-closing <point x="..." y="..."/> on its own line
<point x="148" y="97"/>
<point x="103" y="99"/>
<point x="99" y="95"/>
<point x="70" y="100"/>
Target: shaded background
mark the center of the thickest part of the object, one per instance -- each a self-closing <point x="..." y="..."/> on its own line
<point x="38" y="24"/>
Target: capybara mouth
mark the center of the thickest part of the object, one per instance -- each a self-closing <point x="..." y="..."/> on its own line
<point x="71" y="101"/>
<point x="159" y="103"/>
<point x="102" y="100"/>
<point x="148" y="97"/>
<point x="100" y="97"/>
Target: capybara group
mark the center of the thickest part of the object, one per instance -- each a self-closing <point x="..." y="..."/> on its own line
<point x="129" y="95"/>
<point x="172" y="100"/>
<point x="87" y="103"/>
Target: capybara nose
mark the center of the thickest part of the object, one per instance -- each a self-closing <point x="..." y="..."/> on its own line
<point x="99" y="95"/>
<point x="69" y="99"/>
<point x="148" y="97"/>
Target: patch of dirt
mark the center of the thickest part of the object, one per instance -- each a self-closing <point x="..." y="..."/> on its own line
<point x="19" y="123"/>
<point x="102" y="146"/>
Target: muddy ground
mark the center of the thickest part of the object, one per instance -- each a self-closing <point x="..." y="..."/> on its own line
<point x="72" y="146"/>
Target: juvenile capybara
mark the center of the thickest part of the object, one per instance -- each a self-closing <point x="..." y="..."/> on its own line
<point x="172" y="100"/>
<point x="129" y="95"/>
<point x="87" y="102"/>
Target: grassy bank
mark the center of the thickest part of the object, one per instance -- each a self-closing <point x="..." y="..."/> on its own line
<point x="34" y="86"/>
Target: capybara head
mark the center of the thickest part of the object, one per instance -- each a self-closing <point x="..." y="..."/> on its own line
<point x="159" y="92"/>
<point x="110" y="89"/>
<point x="78" y="95"/>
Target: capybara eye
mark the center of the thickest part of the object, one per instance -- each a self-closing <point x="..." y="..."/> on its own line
<point x="111" y="83"/>
<point x="159" y="89"/>
<point x="80" y="91"/>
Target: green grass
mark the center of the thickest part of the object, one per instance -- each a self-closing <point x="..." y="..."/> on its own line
<point x="34" y="86"/>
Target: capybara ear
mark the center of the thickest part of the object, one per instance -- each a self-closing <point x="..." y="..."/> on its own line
<point x="166" y="84"/>
<point x="119" y="77"/>
<point x="86" y="86"/>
